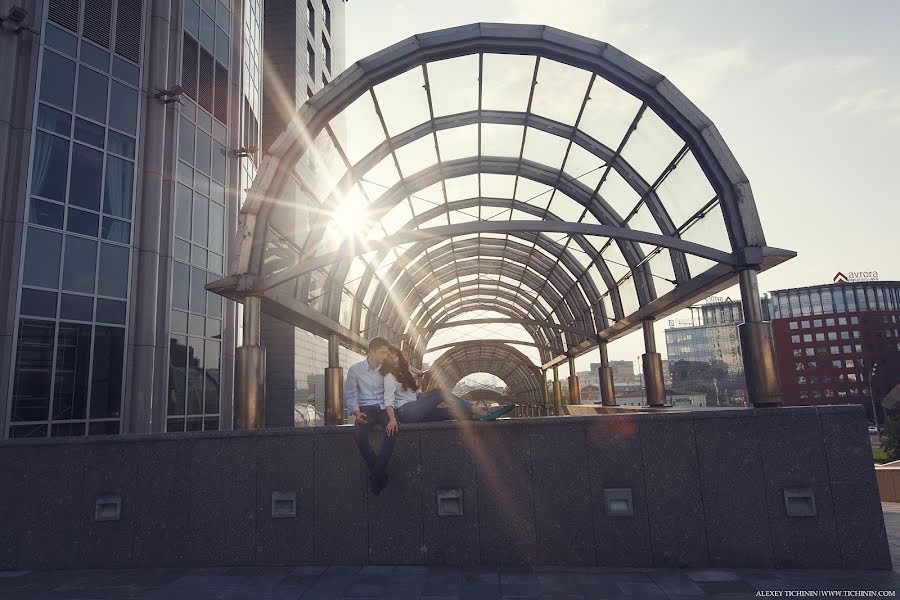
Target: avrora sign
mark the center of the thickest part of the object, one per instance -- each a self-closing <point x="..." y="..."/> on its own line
<point x="855" y="276"/>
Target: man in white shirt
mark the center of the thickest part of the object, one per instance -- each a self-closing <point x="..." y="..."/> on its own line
<point x="364" y="399"/>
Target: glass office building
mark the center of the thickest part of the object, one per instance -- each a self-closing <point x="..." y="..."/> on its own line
<point x="126" y="206"/>
<point x="706" y="356"/>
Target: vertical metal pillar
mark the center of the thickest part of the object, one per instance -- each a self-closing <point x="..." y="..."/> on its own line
<point x="250" y="372"/>
<point x="652" y="362"/>
<point x="544" y="395"/>
<point x="574" y="388"/>
<point x="334" y="384"/>
<point x="557" y="392"/>
<point x="607" y="383"/>
<point x="757" y="346"/>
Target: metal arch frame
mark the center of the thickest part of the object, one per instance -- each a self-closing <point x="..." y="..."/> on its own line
<point x="534" y="171"/>
<point x="461" y="299"/>
<point x="721" y="169"/>
<point x="719" y="165"/>
<point x="506" y="203"/>
<point x="480" y="257"/>
<point x="480" y="267"/>
<point x="405" y="278"/>
<point x="457" y="363"/>
<point x="611" y="157"/>
<point x="544" y="332"/>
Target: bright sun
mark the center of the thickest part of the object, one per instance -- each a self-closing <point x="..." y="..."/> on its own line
<point x="349" y="217"/>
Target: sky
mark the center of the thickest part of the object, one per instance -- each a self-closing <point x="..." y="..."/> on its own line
<point x="805" y="93"/>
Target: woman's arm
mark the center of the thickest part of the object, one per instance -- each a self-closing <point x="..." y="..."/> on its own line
<point x="390" y="395"/>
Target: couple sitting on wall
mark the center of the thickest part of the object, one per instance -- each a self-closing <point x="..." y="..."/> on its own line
<point x="382" y="390"/>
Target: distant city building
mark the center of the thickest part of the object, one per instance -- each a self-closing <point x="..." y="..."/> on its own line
<point x="828" y="338"/>
<point x="704" y="354"/>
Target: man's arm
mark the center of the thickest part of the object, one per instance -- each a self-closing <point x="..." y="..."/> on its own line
<point x="351" y="392"/>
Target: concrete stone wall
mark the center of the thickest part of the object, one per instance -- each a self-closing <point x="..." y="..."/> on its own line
<point x="707" y="490"/>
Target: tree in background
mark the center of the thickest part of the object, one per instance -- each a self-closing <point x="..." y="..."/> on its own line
<point x="890" y="438"/>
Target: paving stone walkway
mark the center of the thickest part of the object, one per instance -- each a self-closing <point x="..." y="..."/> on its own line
<point x="429" y="583"/>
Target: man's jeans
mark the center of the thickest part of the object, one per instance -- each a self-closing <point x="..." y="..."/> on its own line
<point x="377" y="463"/>
<point x="426" y="408"/>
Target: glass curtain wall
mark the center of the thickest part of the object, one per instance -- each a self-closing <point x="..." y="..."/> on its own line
<point x="195" y="341"/>
<point x="73" y="305"/>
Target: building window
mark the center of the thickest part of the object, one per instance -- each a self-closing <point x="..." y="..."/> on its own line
<point x="842" y="320"/>
<point x="854" y="320"/>
<point x="832" y="335"/>
<point x="817" y="323"/>
<point x="847" y="349"/>
<point x="310" y="60"/>
<point x="792" y="325"/>
<point x="801" y="379"/>
<point x="798" y="352"/>
<point x="829" y="322"/>
<point x="835" y="350"/>
<point x="810" y="352"/>
<point x="326" y="15"/>
<point x="311" y="17"/>
<point x="807" y="337"/>
<point x="820" y="337"/>
<point x="804" y="324"/>
<point x="795" y="339"/>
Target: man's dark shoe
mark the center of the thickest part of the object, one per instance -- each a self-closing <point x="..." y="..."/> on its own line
<point x="381" y="483"/>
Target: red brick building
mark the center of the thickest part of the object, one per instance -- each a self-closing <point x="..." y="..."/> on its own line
<point x="830" y="340"/>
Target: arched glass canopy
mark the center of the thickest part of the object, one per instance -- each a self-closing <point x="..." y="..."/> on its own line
<point x="516" y="169"/>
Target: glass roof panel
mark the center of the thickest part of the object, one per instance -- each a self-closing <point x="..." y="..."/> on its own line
<point x="584" y="166"/>
<point x="364" y="131"/>
<point x="454" y="85"/>
<point x="532" y="192"/>
<point x="494" y="213"/>
<point x="507" y="81"/>
<point x="615" y="262"/>
<point x="608" y="113"/>
<point x="501" y="140"/>
<point x="566" y="208"/>
<point x="643" y="220"/>
<point x="652" y="146"/>
<point x="709" y="231"/>
<point x="397" y="218"/>
<point x="544" y="148"/>
<point x="497" y="186"/>
<point x="403" y="101"/>
<point x="663" y="273"/>
<point x="460" y="188"/>
<point x="608" y="308"/>
<point x="619" y="194"/>
<point x="417" y="156"/>
<point x="433" y="194"/>
<point x="384" y="173"/>
<point x="560" y="91"/>
<point x="629" y="296"/>
<point x="459" y="142"/>
<point x="685" y="190"/>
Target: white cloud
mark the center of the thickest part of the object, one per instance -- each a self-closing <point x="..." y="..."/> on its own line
<point x="881" y="102"/>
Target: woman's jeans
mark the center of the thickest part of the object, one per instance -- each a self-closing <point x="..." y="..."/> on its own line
<point x="425" y="408"/>
<point x="377" y="463"/>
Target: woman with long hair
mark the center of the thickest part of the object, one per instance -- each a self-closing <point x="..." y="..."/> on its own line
<point x="403" y="403"/>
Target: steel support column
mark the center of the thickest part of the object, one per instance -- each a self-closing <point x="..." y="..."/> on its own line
<point x="758" y="346"/>
<point x="652" y="363"/>
<point x="250" y="372"/>
<point x="574" y="388"/>
<point x="544" y="396"/>
<point x="557" y="392"/>
<point x="334" y="384"/>
<point x="607" y="383"/>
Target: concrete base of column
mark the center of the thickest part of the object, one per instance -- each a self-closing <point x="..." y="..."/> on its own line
<point x="334" y="396"/>
<point x="574" y="390"/>
<point x="763" y="379"/>
<point x="250" y="386"/>
<point x="653" y="379"/>
<point x="607" y="387"/>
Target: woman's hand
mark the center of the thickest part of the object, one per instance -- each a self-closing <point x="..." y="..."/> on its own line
<point x="392" y="427"/>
